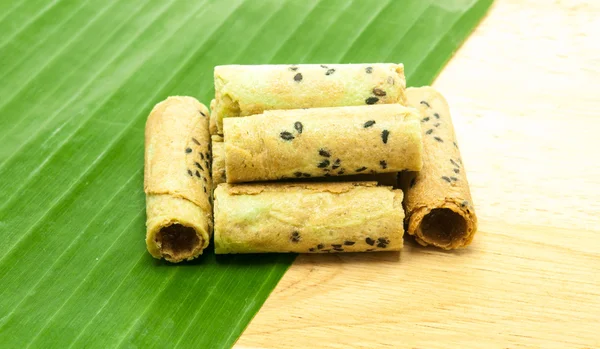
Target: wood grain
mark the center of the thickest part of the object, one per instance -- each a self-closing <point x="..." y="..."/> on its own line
<point x="523" y="92"/>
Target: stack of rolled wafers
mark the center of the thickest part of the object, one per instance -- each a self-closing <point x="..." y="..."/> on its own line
<point x="307" y="159"/>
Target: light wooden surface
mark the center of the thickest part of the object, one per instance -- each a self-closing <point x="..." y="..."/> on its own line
<point x="525" y="96"/>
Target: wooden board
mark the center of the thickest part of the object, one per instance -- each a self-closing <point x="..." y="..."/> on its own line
<point x="525" y="96"/>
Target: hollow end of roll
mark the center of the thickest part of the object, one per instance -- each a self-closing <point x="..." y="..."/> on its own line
<point x="178" y="242"/>
<point x="443" y="227"/>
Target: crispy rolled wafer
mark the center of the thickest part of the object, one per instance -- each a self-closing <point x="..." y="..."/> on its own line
<point x="438" y="204"/>
<point x="242" y="90"/>
<point x="321" y="142"/>
<point x="307" y="217"/>
<point x="218" y="170"/>
<point x="177" y="179"/>
<point x="218" y="161"/>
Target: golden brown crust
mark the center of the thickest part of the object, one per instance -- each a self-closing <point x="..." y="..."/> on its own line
<point x="177" y="179"/>
<point x="437" y="199"/>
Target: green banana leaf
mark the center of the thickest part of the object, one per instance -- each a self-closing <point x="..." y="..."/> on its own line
<point x="78" y="79"/>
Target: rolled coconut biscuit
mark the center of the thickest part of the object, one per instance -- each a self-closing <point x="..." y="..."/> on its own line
<point x="218" y="170"/>
<point x="439" y="208"/>
<point x="177" y="179"/>
<point x="307" y="218"/>
<point x="242" y="90"/>
<point x="322" y="142"/>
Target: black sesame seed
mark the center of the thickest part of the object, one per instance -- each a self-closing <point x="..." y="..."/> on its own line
<point x="334" y="167"/>
<point x="336" y="245"/>
<point x="188" y="150"/>
<point x="455" y="145"/>
<point x="454" y="178"/>
<point x="436" y="125"/>
<point x="327" y="175"/>
<point x="456" y="170"/>
<point x="204" y="178"/>
<point x="438" y="139"/>
<point x="293" y="68"/>
<point x="286" y="136"/>
<point x="341" y="172"/>
<point x="464" y="203"/>
<point x="295" y="237"/>
<point x="330" y="71"/>
<point x="379" y="92"/>
<point x="437" y="116"/>
<point x="384" y="136"/>
<point x="369" y="123"/>
<point x="381" y="245"/>
<point x="383" y="164"/>
<point x="195" y="141"/>
<point x="199" y="111"/>
<point x="373" y="172"/>
<point x="383" y="240"/>
<point x="338" y="249"/>
<point x="323" y="164"/>
<point x="198" y="165"/>
<point x="320" y="246"/>
<point x="311" y="249"/>
<point x="298" y="77"/>
<point x="446" y="179"/>
<point x="298" y="174"/>
<point x="323" y="66"/>
<point x="369" y="70"/>
<point x="370" y="241"/>
<point x="190" y="172"/>
<point x="371" y="100"/>
<point x="454" y="163"/>
<point x="425" y="103"/>
<point x="337" y="161"/>
<point x="306" y="175"/>
<point x="413" y="181"/>
<point x="298" y="126"/>
<point x="349" y="243"/>
<point x="324" y="153"/>
<point x="201" y="156"/>
<point x="207" y="163"/>
<point x="430" y="131"/>
<point x="361" y="169"/>
<point x="425" y="119"/>
<point x="198" y="174"/>
<point x="204" y="189"/>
